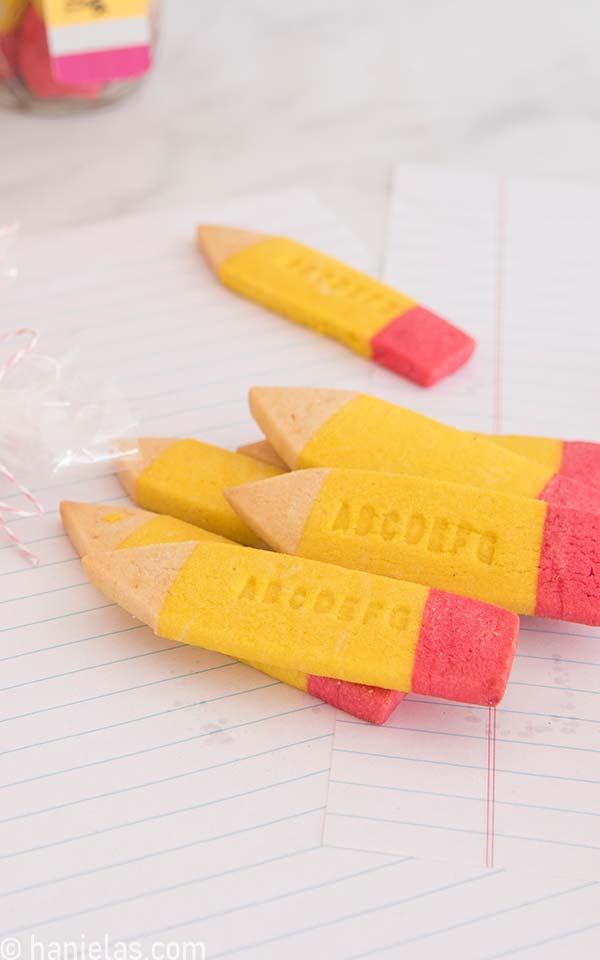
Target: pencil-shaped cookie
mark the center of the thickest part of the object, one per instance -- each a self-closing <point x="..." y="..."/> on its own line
<point x="185" y="479"/>
<point x="529" y="556"/>
<point x="339" y="428"/>
<point x="306" y="286"/>
<point x="315" y="617"/>
<point x="96" y="528"/>
<point x="577" y="459"/>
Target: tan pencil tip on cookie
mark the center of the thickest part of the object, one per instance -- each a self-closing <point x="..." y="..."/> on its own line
<point x="94" y="527"/>
<point x="263" y="451"/>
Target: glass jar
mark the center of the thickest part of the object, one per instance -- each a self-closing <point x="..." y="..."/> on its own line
<point x="52" y="56"/>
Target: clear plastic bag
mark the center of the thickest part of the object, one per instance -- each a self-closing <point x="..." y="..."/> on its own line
<point x="61" y="420"/>
<point x="65" y="418"/>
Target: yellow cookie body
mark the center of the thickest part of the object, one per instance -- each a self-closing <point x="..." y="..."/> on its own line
<point x="293" y="678"/>
<point x="164" y="529"/>
<point x="299" y="614"/>
<point x="187" y="479"/>
<point x="370" y="434"/>
<point x="462" y="539"/>
<point x="543" y="449"/>
<point x="315" y="290"/>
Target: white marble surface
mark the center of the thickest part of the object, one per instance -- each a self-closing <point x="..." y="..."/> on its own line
<point x="325" y="93"/>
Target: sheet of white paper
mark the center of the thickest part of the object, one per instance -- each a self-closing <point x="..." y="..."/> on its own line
<point x="127" y="761"/>
<point x="345" y="905"/>
<point x="514" y="264"/>
<point x="163" y="805"/>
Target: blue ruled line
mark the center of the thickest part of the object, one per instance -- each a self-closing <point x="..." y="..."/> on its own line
<point x="541" y="943"/>
<point x="45" y="593"/>
<point x="42" y="566"/>
<point x="462" y="796"/>
<point x="61" y="616"/>
<point x="482" y="833"/>
<point x="194" y="843"/>
<point x="161" y="780"/>
<point x="349" y="916"/>
<point x="474" y="736"/>
<point x="27" y="543"/>
<point x="467" y="923"/>
<point x="70" y="643"/>
<point x="112" y="693"/>
<point x="520" y="713"/>
<point x="466" y="766"/>
<point x="158" y="816"/>
<point x="220" y="913"/>
<point x="95" y="666"/>
<point x="170" y="743"/>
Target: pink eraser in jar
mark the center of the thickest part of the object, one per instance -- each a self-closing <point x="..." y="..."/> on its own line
<point x="35" y="66"/>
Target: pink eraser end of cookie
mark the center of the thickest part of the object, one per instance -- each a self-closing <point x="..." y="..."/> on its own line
<point x="563" y="491"/>
<point x="581" y="461"/>
<point x="421" y="346"/>
<point x="569" y="576"/>
<point x="474" y="659"/>
<point x="367" y="703"/>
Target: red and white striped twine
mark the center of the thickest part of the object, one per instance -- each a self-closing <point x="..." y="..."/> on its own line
<point x="5" y="508"/>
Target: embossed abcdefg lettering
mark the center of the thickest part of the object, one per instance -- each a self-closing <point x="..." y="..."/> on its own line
<point x="349" y="607"/>
<point x="436" y="534"/>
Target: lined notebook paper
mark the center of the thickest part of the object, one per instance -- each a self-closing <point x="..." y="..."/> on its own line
<point x="153" y="793"/>
<point x="515" y="264"/>
<point x="345" y="905"/>
<point x="129" y="762"/>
